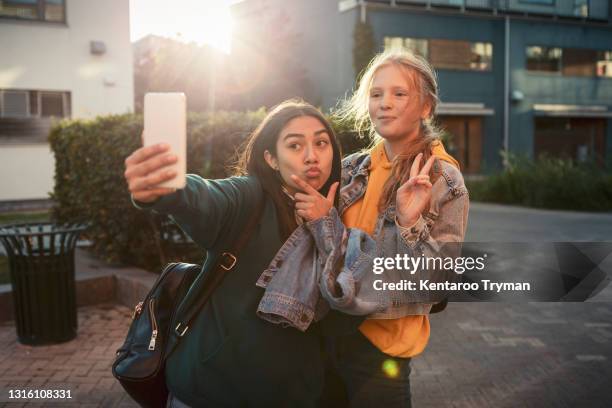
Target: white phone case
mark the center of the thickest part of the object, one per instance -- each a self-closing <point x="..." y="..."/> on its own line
<point x="165" y="121"/>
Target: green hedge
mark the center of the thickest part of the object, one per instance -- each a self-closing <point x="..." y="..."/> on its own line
<point x="89" y="183"/>
<point x="547" y="183"/>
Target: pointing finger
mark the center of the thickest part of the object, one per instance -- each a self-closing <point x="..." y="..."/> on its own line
<point x="303" y="206"/>
<point x="303" y="197"/>
<point x="307" y="188"/>
<point x="332" y="191"/>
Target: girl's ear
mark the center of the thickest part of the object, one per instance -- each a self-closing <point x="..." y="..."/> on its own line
<point x="426" y="111"/>
<point x="271" y="160"/>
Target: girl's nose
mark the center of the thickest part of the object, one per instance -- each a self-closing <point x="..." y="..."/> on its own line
<point x="310" y="155"/>
<point x="385" y="102"/>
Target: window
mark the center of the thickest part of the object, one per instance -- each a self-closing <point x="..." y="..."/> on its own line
<point x="15" y="104"/>
<point x="42" y="10"/>
<point x="448" y="54"/>
<point x="418" y="46"/>
<point x="415" y="45"/>
<point x="463" y="55"/>
<point x="393" y="42"/>
<point x="546" y="59"/>
<point x="570" y="61"/>
<point x="29" y="104"/>
<point x="581" y="8"/>
<point x="52" y="104"/>
<point x="540" y="2"/>
<point x="579" y="139"/>
<point x="579" y="62"/>
<point x="604" y="64"/>
<point x="19" y="8"/>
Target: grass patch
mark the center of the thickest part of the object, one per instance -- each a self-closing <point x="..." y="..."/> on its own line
<point x="18" y="217"/>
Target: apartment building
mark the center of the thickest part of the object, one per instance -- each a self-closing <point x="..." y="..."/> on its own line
<point x="524" y="76"/>
<point x="58" y="59"/>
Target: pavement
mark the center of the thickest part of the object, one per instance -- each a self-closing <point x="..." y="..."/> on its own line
<point x="479" y="354"/>
<point x="81" y="366"/>
<point x="504" y="223"/>
<point x="517" y="355"/>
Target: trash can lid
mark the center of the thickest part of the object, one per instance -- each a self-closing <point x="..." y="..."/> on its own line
<point x="32" y="229"/>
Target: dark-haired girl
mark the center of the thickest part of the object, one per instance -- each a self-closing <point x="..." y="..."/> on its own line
<point x="230" y="357"/>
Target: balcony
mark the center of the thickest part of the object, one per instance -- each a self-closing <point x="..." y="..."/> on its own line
<point x="576" y="9"/>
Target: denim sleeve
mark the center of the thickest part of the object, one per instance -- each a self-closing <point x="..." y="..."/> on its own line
<point x="442" y="238"/>
<point x="291" y="297"/>
<point x="208" y="209"/>
<point x="346" y="258"/>
<point x="449" y="226"/>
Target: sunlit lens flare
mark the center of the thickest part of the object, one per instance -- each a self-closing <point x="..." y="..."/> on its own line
<point x="207" y="25"/>
<point x="202" y="22"/>
<point x="390" y="368"/>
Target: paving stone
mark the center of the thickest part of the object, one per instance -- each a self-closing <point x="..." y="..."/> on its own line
<point x="479" y="355"/>
<point x="82" y="365"/>
<point x="547" y="356"/>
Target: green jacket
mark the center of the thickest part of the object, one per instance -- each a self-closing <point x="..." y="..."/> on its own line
<point x="230" y="357"/>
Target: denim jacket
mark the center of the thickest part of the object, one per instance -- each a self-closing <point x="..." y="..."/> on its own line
<point x="324" y="264"/>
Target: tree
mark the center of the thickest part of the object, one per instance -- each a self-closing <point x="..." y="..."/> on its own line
<point x="363" y="47"/>
<point x="167" y="65"/>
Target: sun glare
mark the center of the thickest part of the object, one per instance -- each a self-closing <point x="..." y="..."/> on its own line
<point x="207" y="24"/>
<point x="200" y="21"/>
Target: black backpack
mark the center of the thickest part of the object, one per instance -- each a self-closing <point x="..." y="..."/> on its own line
<point x="164" y="317"/>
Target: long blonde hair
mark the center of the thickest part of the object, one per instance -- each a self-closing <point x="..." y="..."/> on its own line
<point x="355" y="110"/>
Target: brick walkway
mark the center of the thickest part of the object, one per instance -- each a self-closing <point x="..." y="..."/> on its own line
<point x="480" y="355"/>
<point x="82" y="366"/>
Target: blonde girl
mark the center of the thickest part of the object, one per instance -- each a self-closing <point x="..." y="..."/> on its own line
<point x="408" y="195"/>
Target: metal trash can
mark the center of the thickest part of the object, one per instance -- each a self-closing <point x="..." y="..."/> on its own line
<point x="41" y="262"/>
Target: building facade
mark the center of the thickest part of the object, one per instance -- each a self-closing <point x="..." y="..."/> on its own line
<point x="59" y="59"/>
<point x="526" y="76"/>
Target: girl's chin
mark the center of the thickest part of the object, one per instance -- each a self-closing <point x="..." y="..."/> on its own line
<point x="389" y="134"/>
<point x="292" y="188"/>
<point x="394" y="136"/>
<point x="315" y="183"/>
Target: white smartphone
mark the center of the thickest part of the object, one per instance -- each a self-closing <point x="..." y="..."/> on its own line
<point x="165" y="121"/>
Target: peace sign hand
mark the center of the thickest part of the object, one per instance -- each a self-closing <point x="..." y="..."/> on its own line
<point x="415" y="194"/>
<point x="312" y="205"/>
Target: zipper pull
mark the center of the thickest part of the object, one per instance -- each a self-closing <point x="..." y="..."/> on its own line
<point x="137" y="310"/>
<point x="152" y="342"/>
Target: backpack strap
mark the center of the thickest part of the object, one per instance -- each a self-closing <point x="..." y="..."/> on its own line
<point x="208" y="282"/>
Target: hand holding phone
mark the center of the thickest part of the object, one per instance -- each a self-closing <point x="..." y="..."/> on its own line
<point x="165" y="121"/>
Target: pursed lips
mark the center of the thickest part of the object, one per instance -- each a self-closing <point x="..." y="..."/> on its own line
<point x="312" y="172"/>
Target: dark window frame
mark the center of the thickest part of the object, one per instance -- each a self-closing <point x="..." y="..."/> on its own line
<point x="539" y="2"/>
<point x="40" y="15"/>
<point x="34" y="96"/>
<point x="588" y="6"/>
<point x="561" y="65"/>
<point x="428" y="47"/>
<point x="555" y="73"/>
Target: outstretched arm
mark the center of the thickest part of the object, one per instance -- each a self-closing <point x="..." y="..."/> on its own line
<point x="204" y="209"/>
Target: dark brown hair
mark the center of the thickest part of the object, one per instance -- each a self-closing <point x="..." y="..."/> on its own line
<point x="251" y="161"/>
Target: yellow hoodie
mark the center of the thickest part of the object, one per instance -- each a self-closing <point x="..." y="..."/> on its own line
<point x="407" y="336"/>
